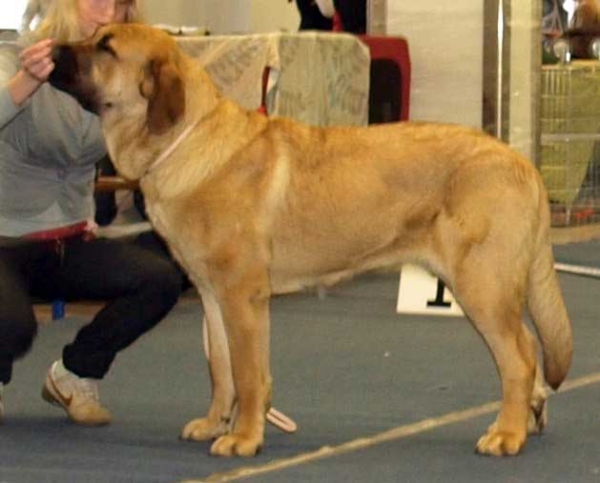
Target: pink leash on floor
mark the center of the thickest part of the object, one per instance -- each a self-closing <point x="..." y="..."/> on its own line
<point x="275" y="417"/>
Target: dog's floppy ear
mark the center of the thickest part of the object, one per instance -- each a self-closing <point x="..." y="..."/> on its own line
<point x="164" y="89"/>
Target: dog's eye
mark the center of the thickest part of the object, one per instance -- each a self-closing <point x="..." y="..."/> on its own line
<point x="104" y="45"/>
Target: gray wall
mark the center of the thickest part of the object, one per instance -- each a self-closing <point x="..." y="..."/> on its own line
<point x="446" y="47"/>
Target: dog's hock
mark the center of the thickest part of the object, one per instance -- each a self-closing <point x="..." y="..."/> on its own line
<point x="420" y="292"/>
<point x="164" y="89"/>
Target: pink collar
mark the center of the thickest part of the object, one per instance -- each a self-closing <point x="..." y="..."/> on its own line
<point x="162" y="158"/>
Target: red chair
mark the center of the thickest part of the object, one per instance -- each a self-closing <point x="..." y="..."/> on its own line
<point x="389" y="95"/>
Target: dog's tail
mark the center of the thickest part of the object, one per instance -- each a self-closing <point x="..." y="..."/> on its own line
<point x="545" y="301"/>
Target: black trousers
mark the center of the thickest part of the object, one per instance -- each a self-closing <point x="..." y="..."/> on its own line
<point x="353" y="14"/>
<point x="140" y="285"/>
<point x="311" y="17"/>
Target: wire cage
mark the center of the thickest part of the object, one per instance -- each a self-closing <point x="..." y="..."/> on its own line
<point x="570" y="141"/>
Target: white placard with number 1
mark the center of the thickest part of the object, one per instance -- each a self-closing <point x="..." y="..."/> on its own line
<point x="423" y="293"/>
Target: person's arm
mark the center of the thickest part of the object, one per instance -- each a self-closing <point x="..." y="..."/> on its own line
<point x="9" y="65"/>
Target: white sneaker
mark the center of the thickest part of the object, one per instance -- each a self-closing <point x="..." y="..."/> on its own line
<point x="78" y="396"/>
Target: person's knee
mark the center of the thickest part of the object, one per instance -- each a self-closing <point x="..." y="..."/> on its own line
<point x="16" y="337"/>
<point x="163" y="284"/>
<point x="172" y="286"/>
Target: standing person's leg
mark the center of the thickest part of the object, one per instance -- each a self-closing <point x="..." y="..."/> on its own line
<point x="311" y="17"/>
<point x="140" y="287"/>
<point x="353" y="14"/>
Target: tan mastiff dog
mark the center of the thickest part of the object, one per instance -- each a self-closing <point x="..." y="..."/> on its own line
<point x="252" y="206"/>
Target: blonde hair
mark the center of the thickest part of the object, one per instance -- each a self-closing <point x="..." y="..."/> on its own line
<point x="61" y="21"/>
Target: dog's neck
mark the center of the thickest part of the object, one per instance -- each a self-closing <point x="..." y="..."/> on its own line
<point x="172" y="147"/>
<point x="179" y="139"/>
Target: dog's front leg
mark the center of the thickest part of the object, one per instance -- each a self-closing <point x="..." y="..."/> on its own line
<point x="245" y="309"/>
<point x="219" y="417"/>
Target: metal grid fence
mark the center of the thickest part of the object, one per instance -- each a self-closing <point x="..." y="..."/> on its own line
<point x="570" y="141"/>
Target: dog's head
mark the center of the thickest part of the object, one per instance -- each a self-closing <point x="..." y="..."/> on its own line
<point x="124" y="69"/>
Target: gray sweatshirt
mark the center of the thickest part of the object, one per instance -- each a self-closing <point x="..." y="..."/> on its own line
<point x="48" y="150"/>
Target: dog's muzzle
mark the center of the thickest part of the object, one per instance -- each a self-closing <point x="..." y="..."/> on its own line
<point x="69" y="76"/>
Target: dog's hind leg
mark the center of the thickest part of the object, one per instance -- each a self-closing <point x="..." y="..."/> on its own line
<point x="538" y="406"/>
<point x="493" y="300"/>
<point x="220" y="414"/>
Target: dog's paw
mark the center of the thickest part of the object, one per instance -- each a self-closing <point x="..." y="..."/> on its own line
<point x="236" y="445"/>
<point x="500" y="443"/>
<point x="203" y="429"/>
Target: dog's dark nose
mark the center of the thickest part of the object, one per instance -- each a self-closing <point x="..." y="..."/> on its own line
<point x="63" y="52"/>
<point x="55" y="53"/>
<point x="65" y="65"/>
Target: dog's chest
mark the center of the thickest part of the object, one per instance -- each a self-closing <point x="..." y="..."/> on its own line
<point x="159" y="219"/>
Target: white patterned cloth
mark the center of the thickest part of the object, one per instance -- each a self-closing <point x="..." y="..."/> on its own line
<point x="314" y="77"/>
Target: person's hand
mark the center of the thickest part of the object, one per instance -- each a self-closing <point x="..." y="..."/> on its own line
<point x="36" y="60"/>
<point x="36" y="66"/>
